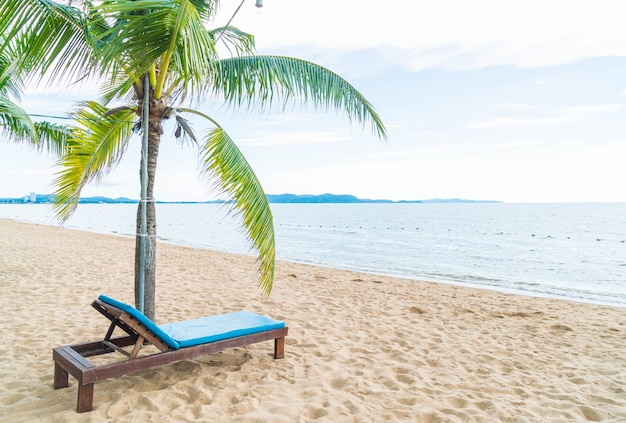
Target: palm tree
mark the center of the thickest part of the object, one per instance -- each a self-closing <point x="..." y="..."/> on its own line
<point x="15" y="123"/>
<point x="159" y="53"/>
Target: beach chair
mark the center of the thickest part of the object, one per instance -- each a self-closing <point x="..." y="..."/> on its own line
<point x="174" y="342"/>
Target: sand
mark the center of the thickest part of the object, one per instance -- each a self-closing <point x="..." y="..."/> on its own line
<point x="361" y="347"/>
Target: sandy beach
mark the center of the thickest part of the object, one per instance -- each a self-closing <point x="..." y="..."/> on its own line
<point x="361" y="347"/>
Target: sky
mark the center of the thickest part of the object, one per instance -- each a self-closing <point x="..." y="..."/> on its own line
<point x="514" y="101"/>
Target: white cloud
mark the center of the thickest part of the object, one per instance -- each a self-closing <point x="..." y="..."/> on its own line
<point x="287" y="118"/>
<point x="451" y="34"/>
<point x="505" y="122"/>
<point x="514" y="106"/>
<point x="598" y="108"/>
<point x="290" y="138"/>
<point x="564" y="115"/>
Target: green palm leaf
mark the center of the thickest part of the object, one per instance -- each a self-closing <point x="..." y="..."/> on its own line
<point x="258" y="81"/>
<point x="234" y="177"/>
<point x="95" y="147"/>
<point x="11" y="84"/>
<point x="48" y="36"/>
<point x="15" y="123"/>
<point x="237" y="42"/>
<point x="52" y="137"/>
<point x="174" y="38"/>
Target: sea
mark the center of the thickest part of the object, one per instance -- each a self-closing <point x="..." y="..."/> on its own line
<point x="574" y="251"/>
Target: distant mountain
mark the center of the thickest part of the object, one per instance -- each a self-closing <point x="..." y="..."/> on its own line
<point x="101" y="200"/>
<point x="346" y="198"/>
<point x="323" y="198"/>
<point x="272" y="198"/>
<point x="47" y="198"/>
<point x="457" y="200"/>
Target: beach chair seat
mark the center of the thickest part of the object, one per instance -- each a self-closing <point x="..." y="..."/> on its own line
<point x="174" y="342"/>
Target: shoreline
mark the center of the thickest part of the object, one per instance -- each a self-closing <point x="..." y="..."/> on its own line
<point x="496" y="288"/>
<point x="361" y="347"/>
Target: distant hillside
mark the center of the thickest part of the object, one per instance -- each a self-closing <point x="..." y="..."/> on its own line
<point x="346" y="198"/>
<point x="272" y="198"/>
<point x="457" y="200"/>
<point x="106" y="200"/>
<point x="323" y="198"/>
<point x="47" y="198"/>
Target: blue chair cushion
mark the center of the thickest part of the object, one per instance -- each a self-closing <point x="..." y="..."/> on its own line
<point x="143" y="319"/>
<point x="219" y="327"/>
<point x="203" y="330"/>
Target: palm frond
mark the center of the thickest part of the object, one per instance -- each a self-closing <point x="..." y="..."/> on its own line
<point x="52" y="137"/>
<point x="238" y="42"/>
<point x="132" y="38"/>
<point x="259" y="81"/>
<point x="16" y="124"/>
<point x="119" y="88"/>
<point x="193" y="55"/>
<point x="48" y="36"/>
<point x="206" y="9"/>
<point x="11" y="84"/>
<point x="173" y="37"/>
<point x="94" y="148"/>
<point x="233" y="176"/>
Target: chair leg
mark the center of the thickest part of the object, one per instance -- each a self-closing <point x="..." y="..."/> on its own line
<point x="85" y="397"/>
<point x="279" y="347"/>
<point x="137" y="347"/>
<point x="61" y="378"/>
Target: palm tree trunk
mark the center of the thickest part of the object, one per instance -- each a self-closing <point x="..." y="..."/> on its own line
<point x="154" y="138"/>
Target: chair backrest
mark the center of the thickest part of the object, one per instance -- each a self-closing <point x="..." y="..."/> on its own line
<point x="134" y="322"/>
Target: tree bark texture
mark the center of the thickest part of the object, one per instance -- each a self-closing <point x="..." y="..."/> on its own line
<point x="157" y="110"/>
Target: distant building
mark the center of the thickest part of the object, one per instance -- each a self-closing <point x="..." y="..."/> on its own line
<point x="33" y="197"/>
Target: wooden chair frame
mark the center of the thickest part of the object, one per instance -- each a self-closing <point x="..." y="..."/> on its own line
<point x="72" y="359"/>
